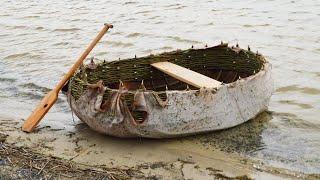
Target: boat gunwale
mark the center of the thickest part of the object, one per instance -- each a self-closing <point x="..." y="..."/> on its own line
<point x="265" y="66"/>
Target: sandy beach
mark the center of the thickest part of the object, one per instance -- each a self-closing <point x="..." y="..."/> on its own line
<point x="86" y="150"/>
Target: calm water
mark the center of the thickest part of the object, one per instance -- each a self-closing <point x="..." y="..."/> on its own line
<point x="40" y="40"/>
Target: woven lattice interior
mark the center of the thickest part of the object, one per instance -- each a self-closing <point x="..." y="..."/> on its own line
<point x="221" y="62"/>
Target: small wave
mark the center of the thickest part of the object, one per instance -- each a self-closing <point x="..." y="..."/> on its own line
<point x="4" y="35"/>
<point x="143" y="12"/>
<point x="10" y="80"/>
<point x="312" y="91"/>
<point x="61" y="44"/>
<point x="18" y="55"/>
<point x="292" y="120"/>
<point x="42" y="12"/>
<point x="23" y="55"/>
<point x="263" y="25"/>
<point x="159" y="22"/>
<point x="154" y="17"/>
<point x="30" y="95"/>
<point x="304" y="90"/>
<point x="74" y="20"/>
<point x="147" y="51"/>
<point x="258" y="25"/>
<point x="166" y="48"/>
<point x="300" y="12"/>
<point x="134" y="35"/>
<point x="27" y="91"/>
<point x="171" y="5"/>
<point x="143" y="5"/>
<point x="116" y="33"/>
<point x="101" y="53"/>
<point x="34" y="86"/>
<point x="301" y="105"/>
<point x="119" y="44"/>
<point x="66" y="29"/>
<point x="178" y="39"/>
<point x="130" y="19"/>
<point x="39" y="28"/>
<point x="209" y="24"/>
<point x="130" y="2"/>
<point x="282" y="36"/>
<point x="296" y="48"/>
<point x="31" y="17"/>
<point x="176" y="8"/>
<point x="36" y="96"/>
<point x="18" y="27"/>
<point x="246" y="8"/>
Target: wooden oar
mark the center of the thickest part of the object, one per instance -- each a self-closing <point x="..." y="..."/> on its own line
<point x="52" y="96"/>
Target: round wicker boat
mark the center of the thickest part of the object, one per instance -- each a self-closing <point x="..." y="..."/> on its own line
<point x="130" y="98"/>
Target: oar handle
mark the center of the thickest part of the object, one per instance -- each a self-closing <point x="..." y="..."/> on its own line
<point x="80" y="60"/>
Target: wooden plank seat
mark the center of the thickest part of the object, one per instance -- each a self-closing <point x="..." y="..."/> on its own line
<point x="186" y="75"/>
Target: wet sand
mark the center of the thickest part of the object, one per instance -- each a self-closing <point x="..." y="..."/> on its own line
<point x="182" y="158"/>
<point x="24" y="163"/>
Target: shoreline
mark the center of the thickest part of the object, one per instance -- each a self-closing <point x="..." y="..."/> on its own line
<point x="89" y="151"/>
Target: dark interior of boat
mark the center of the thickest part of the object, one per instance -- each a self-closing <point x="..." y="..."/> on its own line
<point x="222" y="63"/>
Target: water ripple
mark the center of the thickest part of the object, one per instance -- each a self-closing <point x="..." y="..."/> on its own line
<point x="136" y="34"/>
<point x="304" y="90"/>
<point x="179" y="39"/>
<point x="66" y="29"/>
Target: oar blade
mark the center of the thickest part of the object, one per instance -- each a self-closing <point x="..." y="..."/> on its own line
<point x="40" y="111"/>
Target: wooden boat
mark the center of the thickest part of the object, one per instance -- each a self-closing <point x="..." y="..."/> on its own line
<point x="138" y="98"/>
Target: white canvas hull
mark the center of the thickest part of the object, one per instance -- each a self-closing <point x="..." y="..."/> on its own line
<point x="186" y="112"/>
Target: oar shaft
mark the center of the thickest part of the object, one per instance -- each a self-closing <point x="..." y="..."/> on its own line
<point x="46" y="103"/>
<point x="80" y="60"/>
